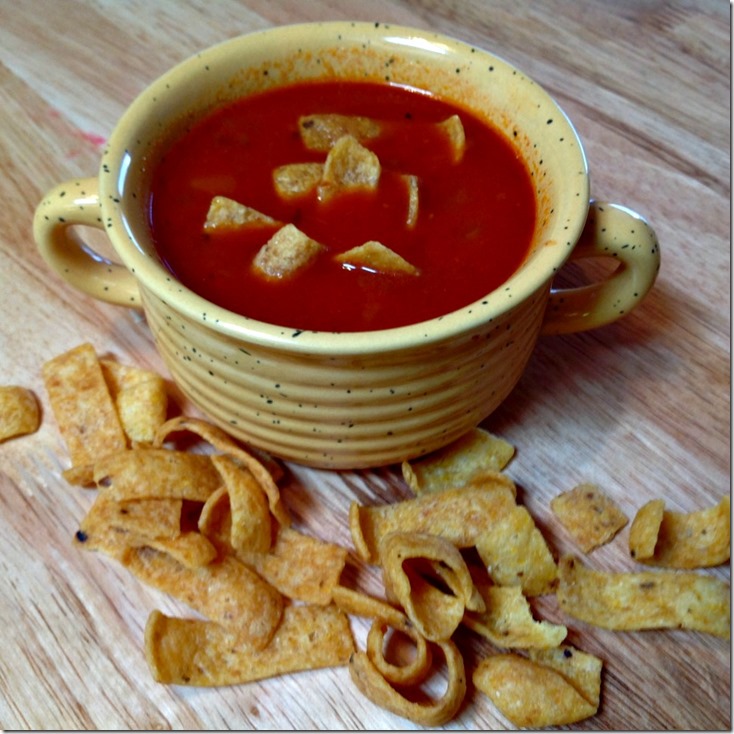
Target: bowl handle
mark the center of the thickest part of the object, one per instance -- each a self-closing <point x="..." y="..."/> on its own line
<point x="67" y="205"/>
<point x="611" y="231"/>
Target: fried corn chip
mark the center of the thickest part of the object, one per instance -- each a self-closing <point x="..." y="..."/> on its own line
<point x="140" y="398"/>
<point x="300" y="566"/>
<point x="660" y="537"/>
<point x="215" y="520"/>
<point x="227" y="214"/>
<point x="320" y="132"/>
<point x="84" y="410"/>
<point x="192" y="550"/>
<point x="375" y="256"/>
<point x="227" y="592"/>
<point x="416" y="567"/>
<point x="373" y="684"/>
<point x="297" y="179"/>
<point x="459" y="515"/>
<point x="250" y="527"/>
<point x="454" y="131"/>
<point x="582" y="669"/>
<point x="405" y="672"/>
<point x="349" y="166"/>
<point x="515" y="553"/>
<point x="200" y="653"/>
<point x="19" y="412"/>
<point x="475" y="453"/>
<point x="149" y="473"/>
<point x="647" y="600"/>
<point x="146" y="519"/>
<point x="359" y="604"/>
<point x="225" y="444"/>
<point x="288" y="252"/>
<point x="590" y="516"/>
<point x="530" y="694"/>
<point x="508" y="621"/>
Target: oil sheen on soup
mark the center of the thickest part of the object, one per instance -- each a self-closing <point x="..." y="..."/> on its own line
<point x="341" y="206"/>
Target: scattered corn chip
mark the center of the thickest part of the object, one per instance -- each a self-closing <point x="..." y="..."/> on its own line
<point x="508" y="621"/>
<point x="412" y="671"/>
<point x="84" y="409"/>
<point x="286" y="253"/>
<point x="140" y="398"/>
<point x="148" y="473"/>
<point x="515" y="553"/>
<point x="416" y="568"/>
<point x="648" y="600"/>
<point x="19" y="412"/>
<point x="458" y="515"/>
<point x="590" y="517"/>
<point x="530" y="694"/>
<point x="359" y="604"/>
<point x="375" y="256"/>
<point x="201" y="653"/>
<point x="475" y="453"/>
<point x="227" y="214"/>
<point x="659" y="537"/>
<point x="373" y="684"/>
<point x="226" y="592"/>
<point x="320" y="132"/>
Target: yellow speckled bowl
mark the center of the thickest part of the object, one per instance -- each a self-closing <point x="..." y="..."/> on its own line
<point x="350" y="400"/>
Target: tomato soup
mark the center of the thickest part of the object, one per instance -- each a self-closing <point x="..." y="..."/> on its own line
<point x="464" y="224"/>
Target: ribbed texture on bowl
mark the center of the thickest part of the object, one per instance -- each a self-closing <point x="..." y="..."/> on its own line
<point x="363" y="410"/>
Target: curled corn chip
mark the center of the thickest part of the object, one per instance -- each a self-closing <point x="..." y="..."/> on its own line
<point x="200" y="653"/>
<point x="225" y="444"/>
<point x="429" y="578"/>
<point x="458" y="515"/>
<point x="85" y="412"/>
<point x="19" y="412"/>
<point x="250" y="529"/>
<point x="647" y="600"/>
<point x="226" y="592"/>
<point x="412" y="672"/>
<point x="373" y="684"/>
<point x="580" y="668"/>
<point x="659" y="537"/>
<point x="530" y="694"/>
<point x="590" y="516"/>
<point x="360" y="604"/>
<point x="475" y="453"/>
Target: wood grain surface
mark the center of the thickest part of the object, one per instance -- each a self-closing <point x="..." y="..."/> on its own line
<point x="641" y="407"/>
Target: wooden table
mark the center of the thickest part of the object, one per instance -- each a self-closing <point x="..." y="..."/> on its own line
<point x="640" y="407"/>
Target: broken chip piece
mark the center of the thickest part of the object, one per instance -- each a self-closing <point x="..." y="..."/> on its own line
<point x="320" y="132"/>
<point x="591" y="517"/>
<point x="454" y="131"/>
<point x="475" y="452"/>
<point x="19" y="412"/>
<point x="647" y="600"/>
<point x="660" y="537"/>
<point x="376" y="257"/>
<point x="227" y="214"/>
<point x="530" y="694"/>
<point x="286" y="253"/>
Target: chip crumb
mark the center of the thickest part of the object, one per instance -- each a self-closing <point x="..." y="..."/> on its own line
<point x="227" y="214"/>
<point x="349" y="166"/>
<point x="286" y="253"/>
<point x="376" y="257"/>
<point x="297" y="179"/>
<point x="319" y="132"/>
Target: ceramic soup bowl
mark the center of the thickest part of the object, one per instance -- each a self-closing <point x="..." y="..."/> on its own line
<point x="350" y="400"/>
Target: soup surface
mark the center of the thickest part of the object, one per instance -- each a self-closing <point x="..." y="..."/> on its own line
<point x="468" y="230"/>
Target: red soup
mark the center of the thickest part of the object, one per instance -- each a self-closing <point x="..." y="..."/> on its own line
<point x="449" y="198"/>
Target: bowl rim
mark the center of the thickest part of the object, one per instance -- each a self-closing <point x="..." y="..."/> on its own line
<point x="155" y="279"/>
